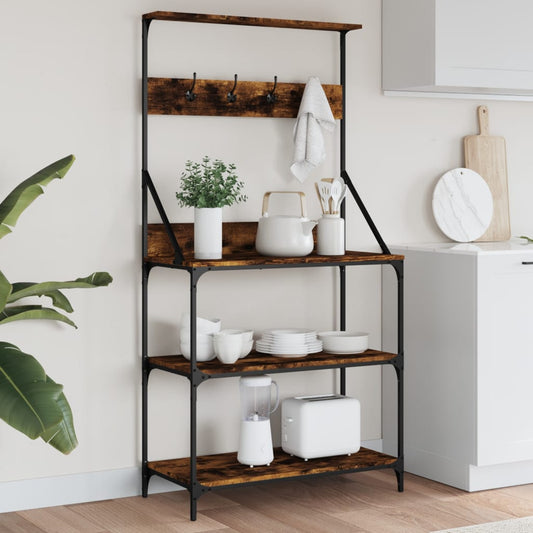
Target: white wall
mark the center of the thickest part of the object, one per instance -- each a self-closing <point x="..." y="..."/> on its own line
<point x="71" y="84"/>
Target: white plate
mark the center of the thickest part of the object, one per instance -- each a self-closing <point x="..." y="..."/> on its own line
<point x="342" y="352"/>
<point x="289" y="334"/>
<point x="462" y="205"/>
<point x="285" y="347"/>
<point x="294" y="345"/>
<point x="295" y="353"/>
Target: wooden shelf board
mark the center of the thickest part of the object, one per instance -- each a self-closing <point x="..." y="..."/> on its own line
<point x="238" y="249"/>
<point x="251" y="21"/>
<point x="166" y="96"/>
<point x="257" y="362"/>
<point x="223" y="469"/>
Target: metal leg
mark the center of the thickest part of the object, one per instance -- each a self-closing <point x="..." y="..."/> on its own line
<point x="194" y="501"/>
<point x="145" y="376"/>
<point x="195" y="489"/>
<point x="398" y="266"/>
<point x="342" y="303"/>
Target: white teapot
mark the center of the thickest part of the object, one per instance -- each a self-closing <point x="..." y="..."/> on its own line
<point x="284" y="235"/>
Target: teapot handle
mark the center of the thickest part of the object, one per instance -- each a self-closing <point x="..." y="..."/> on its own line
<point x="266" y="198"/>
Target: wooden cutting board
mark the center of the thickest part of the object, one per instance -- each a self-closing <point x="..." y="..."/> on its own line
<point x="486" y="155"/>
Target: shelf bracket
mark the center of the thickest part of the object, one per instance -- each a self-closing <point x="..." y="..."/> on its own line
<point x="178" y="254"/>
<point x="366" y="214"/>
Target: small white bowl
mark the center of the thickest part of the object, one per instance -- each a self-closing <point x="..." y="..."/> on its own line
<point x="185" y="336"/>
<point x="343" y="342"/>
<point x="246" y="334"/>
<point x="246" y="348"/>
<point x="203" y="325"/>
<point x="228" y="347"/>
<point x="204" y="350"/>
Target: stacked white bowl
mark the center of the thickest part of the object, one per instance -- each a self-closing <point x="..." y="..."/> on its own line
<point x="343" y="342"/>
<point x="233" y="344"/>
<point x="205" y="329"/>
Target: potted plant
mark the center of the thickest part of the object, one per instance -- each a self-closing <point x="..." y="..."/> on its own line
<point x="208" y="187"/>
<point x="30" y="400"/>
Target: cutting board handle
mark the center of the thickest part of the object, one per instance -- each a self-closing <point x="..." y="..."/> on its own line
<point x="483" y="117"/>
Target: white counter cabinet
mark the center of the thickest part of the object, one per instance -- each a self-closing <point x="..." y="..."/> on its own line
<point x="471" y="47"/>
<point x="468" y="363"/>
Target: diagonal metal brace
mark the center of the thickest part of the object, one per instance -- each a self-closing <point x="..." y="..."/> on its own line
<point x="178" y="254"/>
<point x="366" y="214"/>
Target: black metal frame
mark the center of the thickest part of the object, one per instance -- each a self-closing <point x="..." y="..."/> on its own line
<point x="196" y="377"/>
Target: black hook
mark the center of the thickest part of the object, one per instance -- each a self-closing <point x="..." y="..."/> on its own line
<point x="190" y="94"/>
<point x="271" y="97"/>
<point x="231" y="95"/>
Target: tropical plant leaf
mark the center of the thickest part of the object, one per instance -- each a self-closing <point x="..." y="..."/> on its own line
<point x="27" y="191"/>
<point x="25" y="289"/>
<point x="28" y="402"/>
<point x="62" y="436"/>
<point x="32" y="312"/>
<point x="5" y="290"/>
<point x="50" y="289"/>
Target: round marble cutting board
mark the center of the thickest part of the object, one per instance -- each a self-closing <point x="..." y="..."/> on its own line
<point x="462" y="205"/>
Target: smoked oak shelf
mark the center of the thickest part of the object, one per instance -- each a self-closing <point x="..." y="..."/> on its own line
<point x="239" y="250"/>
<point x="251" y="21"/>
<point x="261" y="363"/>
<point x="171" y="245"/>
<point x="223" y="470"/>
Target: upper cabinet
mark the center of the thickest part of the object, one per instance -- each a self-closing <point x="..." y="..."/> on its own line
<point x="469" y="47"/>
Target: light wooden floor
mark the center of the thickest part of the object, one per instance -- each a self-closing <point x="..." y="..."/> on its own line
<point x="366" y="502"/>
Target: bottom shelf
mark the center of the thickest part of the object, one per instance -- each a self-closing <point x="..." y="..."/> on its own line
<point x="223" y="469"/>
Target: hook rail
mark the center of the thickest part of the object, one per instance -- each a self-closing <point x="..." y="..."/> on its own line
<point x="168" y="96"/>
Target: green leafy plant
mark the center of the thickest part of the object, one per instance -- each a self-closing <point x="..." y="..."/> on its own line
<point x="30" y="401"/>
<point x="209" y="184"/>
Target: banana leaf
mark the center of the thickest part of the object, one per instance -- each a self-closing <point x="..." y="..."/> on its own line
<point x="62" y="436"/>
<point x="28" y="401"/>
<point x="50" y="289"/>
<point x="5" y="290"/>
<point x="32" y="312"/>
<point x="26" y="192"/>
<point x="23" y="289"/>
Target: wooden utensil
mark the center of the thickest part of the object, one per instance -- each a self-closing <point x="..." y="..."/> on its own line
<point x="486" y="155"/>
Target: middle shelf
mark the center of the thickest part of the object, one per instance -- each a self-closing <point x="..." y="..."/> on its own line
<point x="259" y="363"/>
<point x="238" y="250"/>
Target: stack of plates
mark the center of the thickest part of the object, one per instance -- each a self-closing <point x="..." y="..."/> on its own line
<point x="289" y="342"/>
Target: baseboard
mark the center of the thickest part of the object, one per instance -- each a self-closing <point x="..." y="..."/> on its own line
<point x="76" y="488"/>
<point x="88" y="487"/>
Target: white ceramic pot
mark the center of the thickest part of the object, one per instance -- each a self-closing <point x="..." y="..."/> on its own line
<point x="330" y="235"/>
<point x="208" y="232"/>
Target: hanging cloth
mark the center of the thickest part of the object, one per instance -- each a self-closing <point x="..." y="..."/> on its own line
<point x="314" y="115"/>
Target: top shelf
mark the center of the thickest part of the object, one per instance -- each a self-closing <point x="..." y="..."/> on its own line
<point x="251" y="21"/>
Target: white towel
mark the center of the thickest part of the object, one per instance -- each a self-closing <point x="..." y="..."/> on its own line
<point x="313" y="116"/>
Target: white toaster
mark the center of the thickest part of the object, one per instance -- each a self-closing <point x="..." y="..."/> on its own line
<point x="320" y="426"/>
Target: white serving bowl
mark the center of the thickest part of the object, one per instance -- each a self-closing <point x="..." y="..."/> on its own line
<point x="246" y="348"/>
<point x="205" y="350"/>
<point x="203" y="325"/>
<point x="228" y="346"/>
<point x="343" y="342"/>
<point x="185" y="336"/>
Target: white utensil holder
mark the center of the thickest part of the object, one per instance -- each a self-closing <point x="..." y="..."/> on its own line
<point x="330" y="235"/>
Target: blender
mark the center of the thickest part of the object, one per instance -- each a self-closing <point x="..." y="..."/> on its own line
<point x="255" y="442"/>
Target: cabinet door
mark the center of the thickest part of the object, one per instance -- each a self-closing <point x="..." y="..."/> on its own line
<point x="505" y="359"/>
